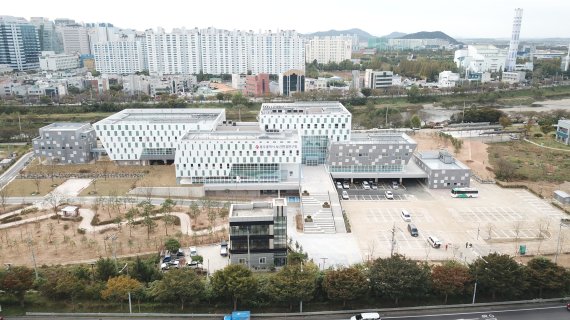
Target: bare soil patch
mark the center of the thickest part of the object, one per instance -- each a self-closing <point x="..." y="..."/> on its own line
<point x="25" y="187"/>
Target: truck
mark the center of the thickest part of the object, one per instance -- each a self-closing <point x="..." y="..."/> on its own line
<point x="238" y="315"/>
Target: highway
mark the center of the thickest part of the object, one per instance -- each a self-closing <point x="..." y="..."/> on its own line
<point x="549" y="311"/>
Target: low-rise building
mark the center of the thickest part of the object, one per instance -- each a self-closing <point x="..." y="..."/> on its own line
<point x="50" y="61"/>
<point x="563" y="131"/>
<point x="448" y="79"/>
<point x="66" y="143"/>
<point x="291" y="81"/>
<point x="257" y="85"/>
<point x="377" y="79"/>
<point x="513" y="77"/>
<point x="444" y="171"/>
<point x="258" y="234"/>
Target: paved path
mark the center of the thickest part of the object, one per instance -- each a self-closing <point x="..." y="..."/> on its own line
<point x="13" y="170"/>
<point x="551" y="148"/>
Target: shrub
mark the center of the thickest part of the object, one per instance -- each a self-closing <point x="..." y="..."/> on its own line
<point x="10" y="219"/>
<point x="29" y="210"/>
<point x="66" y="227"/>
<point x="81" y="231"/>
<point x="537" y="135"/>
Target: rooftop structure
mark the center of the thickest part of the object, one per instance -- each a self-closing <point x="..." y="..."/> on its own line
<point x="153" y="116"/>
<point x="321" y="107"/>
<point x="443" y="170"/>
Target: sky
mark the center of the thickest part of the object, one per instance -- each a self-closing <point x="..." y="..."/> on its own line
<point x="457" y="18"/>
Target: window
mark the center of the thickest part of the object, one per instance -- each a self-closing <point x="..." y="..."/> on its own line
<point x="263" y="260"/>
<point x="241" y="261"/>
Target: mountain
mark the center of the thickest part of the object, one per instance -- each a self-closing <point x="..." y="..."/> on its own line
<point x="394" y="35"/>
<point x="362" y="35"/>
<point x="430" y="35"/>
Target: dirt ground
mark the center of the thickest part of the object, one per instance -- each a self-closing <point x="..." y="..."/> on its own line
<point x="61" y="243"/>
<point x="25" y="187"/>
<point x="473" y="153"/>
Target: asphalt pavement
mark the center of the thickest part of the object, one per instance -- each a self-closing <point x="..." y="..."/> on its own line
<point x="13" y="170"/>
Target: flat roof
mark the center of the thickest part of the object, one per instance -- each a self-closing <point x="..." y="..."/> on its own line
<point x="303" y="107"/>
<point x="60" y="126"/>
<point x="431" y="159"/>
<point x="564" y="123"/>
<point x="163" y="116"/>
<point x="375" y="136"/>
<point x="237" y="133"/>
<point x="253" y="209"/>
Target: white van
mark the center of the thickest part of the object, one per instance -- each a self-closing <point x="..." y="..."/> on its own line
<point x="345" y="195"/>
<point x="406" y="216"/>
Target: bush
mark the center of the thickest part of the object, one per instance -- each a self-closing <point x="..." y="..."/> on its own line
<point x="29" y="210"/>
<point x="81" y="231"/>
<point x="66" y="227"/>
<point x="10" y="219"/>
<point x="537" y="135"/>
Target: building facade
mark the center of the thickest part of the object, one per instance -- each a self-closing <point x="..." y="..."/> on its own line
<point x="120" y="57"/>
<point x="50" y="61"/>
<point x="66" y="143"/>
<point x="145" y="136"/>
<point x="19" y="44"/>
<point x="47" y="35"/>
<point x="328" y="49"/>
<point x="481" y="58"/>
<point x="318" y="123"/>
<point x="291" y="81"/>
<point x="378" y="79"/>
<point x="514" y="43"/>
<point x="75" y="39"/>
<point x="447" y="79"/>
<point x="563" y="131"/>
<point x="513" y="76"/>
<point x="257" y="85"/>
<point x="258" y="234"/>
<point x="444" y="172"/>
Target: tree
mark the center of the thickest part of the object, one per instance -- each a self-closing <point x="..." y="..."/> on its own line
<point x="294" y="283"/>
<point x="414" y="94"/>
<point x="505" y="170"/>
<point x="234" y="281"/>
<point x="541" y="274"/>
<point x="505" y="121"/>
<point x="194" y="210"/>
<point x="4" y="194"/>
<point x="146" y="215"/>
<point x="105" y="269"/>
<point x="496" y="274"/>
<point x="449" y="278"/>
<point x="398" y="277"/>
<point x="166" y="208"/>
<point x="55" y="199"/>
<point x="61" y="284"/>
<point x="172" y="245"/>
<point x="118" y="288"/>
<point x="145" y="271"/>
<point x="17" y="281"/>
<point x="345" y="284"/>
<point x="131" y="214"/>
<point x="179" y="284"/>
<point x="416" y="121"/>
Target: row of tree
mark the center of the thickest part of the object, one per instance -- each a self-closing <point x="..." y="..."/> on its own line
<point x="394" y="278"/>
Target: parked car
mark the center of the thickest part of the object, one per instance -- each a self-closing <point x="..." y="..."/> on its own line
<point x="224" y="248"/>
<point x="180" y="253"/>
<point x="345" y="195"/>
<point x="365" y="185"/>
<point x="406" y="215"/>
<point x="374" y="186"/>
<point x="167" y="258"/>
<point x="434" y="242"/>
<point x="366" y="316"/>
<point x="395" y="185"/>
<point x="567" y="307"/>
<point x="389" y="195"/>
<point x="193" y="251"/>
<point x="339" y="185"/>
<point x="413" y="230"/>
<point x="345" y="185"/>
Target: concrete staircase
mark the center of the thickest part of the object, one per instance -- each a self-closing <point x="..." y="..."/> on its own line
<point x="323" y="220"/>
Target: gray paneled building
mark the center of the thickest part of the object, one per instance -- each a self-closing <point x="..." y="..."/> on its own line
<point x="444" y="171"/>
<point x="371" y="154"/>
<point x="258" y="234"/>
<point x="66" y="143"/>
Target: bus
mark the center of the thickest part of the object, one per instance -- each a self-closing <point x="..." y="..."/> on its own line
<point x="464" y="193"/>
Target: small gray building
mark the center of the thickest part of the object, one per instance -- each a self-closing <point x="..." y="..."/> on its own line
<point x="562" y="197"/>
<point x="258" y="234"/>
<point x="66" y="142"/>
<point x="444" y="171"/>
<point x="562" y="131"/>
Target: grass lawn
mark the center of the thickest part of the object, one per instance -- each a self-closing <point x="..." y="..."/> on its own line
<point x="109" y="187"/>
<point x="550" y="142"/>
<point x="532" y="162"/>
<point x="159" y="176"/>
<point x="25" y="187"/>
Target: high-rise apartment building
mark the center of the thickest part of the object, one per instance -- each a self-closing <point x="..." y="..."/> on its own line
<point x="75" y="39"/>
<point x="126" y="56"/>
<point x="19" y="44"/>
<point x="328" y="49"/>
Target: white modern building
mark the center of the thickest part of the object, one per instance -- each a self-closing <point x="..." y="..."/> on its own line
<point x="481" y="58"/>
<point x="513" y="77"/>
<point x="50" y="61"/>
<point x="146" y="136"/>
<point x="447" y="79"/>
<point x="328" y="49"/>
<point x="514" y="43"/>
<point x="239" y="153"/>
<point x="415" y="44"/>
<point x="377" y="79"/>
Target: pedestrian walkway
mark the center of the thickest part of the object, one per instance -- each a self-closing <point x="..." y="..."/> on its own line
<point x="320" y="188"/>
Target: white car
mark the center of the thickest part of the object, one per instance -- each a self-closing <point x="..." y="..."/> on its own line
<point x="339" y="185"/>
<point x="193" y="251"/>
<point x="346" y="185"/>
<point x="389" y="195"/>
<point x="365" y="185"/>
<point x="434" y="242"/>
<point x="395" y="184"/>
<point x="345" y="195"/>
<point x="374" y="186"/>
<point x="406" y="216"/>
<point x="366" y="316"/>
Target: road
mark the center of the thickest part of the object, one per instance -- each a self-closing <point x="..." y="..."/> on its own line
<point x="11" y="172"/>
<point x="549" y="311"/>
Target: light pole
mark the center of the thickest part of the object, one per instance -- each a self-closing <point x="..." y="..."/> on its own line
<point x="130" y="304"/>
<point x="563" y="222"/>
<point x="476" y="280"/>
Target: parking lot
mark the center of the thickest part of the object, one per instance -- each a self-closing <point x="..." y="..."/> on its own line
<point x="499" y="220"/>
<point x="356" y="191"/>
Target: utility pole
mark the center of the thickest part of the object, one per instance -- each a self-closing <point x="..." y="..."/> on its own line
<point x="248" y="253"/>
<point x="387" y="115"/>
<point x="324" y="262"/>
<point x="393" y="241"/>
<point x="30" y="245"/>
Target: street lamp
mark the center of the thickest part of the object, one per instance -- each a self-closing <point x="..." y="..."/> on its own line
<point x="130" y="304"/>
<point x="563" y="222"/>
<point x="476" y="280"/>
